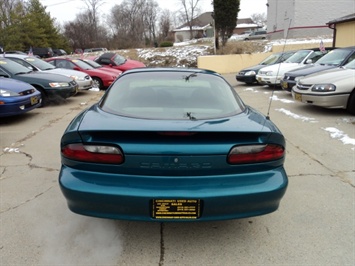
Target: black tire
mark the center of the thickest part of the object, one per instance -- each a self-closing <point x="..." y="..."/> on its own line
<point x="44" y="97"/>
<point x="97" y="83"/>
<point x="351" y="103"/>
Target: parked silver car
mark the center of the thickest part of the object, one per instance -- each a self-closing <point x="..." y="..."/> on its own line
<point x="334" y="88"/>
<point x="35" y="64"/>
<point x="256" y="35"/>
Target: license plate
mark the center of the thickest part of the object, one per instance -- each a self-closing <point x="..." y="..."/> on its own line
<point x="34" y="100"/>
<point x="284" y="84"/>
<point x="298" y="97"/>
<point x="176" y="208"/>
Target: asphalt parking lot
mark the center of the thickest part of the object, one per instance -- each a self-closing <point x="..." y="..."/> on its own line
<point x="313" y="226"/>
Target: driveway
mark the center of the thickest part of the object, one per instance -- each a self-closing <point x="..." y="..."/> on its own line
<point x="313" y="226"/>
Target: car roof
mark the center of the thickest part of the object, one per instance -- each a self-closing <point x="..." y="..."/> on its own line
<point x="107" y="55"/>
<point x="170" y="69"/>
<point x="18" y="55"/>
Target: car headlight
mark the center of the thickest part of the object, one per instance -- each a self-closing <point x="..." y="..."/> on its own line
<point x="323" y="87"/>
<point x="7" y="93"/>
<point x="250" y="73"/>
<point x="58" y="84"/>
<point x="269" y="73"/>
<point x="78" y="78"/>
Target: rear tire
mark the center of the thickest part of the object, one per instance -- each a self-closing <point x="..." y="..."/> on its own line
<point x="351" y="103"/>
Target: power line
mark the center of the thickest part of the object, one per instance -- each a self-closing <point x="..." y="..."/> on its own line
<point x="61" y="3"/>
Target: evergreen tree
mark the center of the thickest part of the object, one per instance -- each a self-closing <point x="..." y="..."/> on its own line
<point x="225" y="18"/>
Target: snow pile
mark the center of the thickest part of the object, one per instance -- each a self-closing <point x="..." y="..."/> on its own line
<point x="179" y="56"/>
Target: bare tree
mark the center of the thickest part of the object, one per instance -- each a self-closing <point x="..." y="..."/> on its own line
<point x="150" y="19"/>
<point x="133" y="23"/>
<point x="190" y="11"/>
<point x="93" y="12"/>
<point x="259" y="19"/>
<point x="165" y="24"/>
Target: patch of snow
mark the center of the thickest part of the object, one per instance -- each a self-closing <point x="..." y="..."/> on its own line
<point x="251" y="89"/>
<point x="340" y="135"/>
<point x="275" y="98"/>
<point x="296" y="116"/>
<point x="11" y="150"/>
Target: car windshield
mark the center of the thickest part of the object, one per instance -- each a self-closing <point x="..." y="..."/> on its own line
<point x="350" y="65"/>
<point x="276" y="58"/>
<point x="334" y="57"/>
<point x="42" y="65"/>
<point x="82" y="64"/>
<point x="13" y="67"/>
<point x="92" y="63"/>
<point x="298" y="57"/>
<point x="174" y="95"/>
<point x="119" y="60"/>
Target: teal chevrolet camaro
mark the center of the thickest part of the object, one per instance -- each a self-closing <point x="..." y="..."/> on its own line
<point x="172" y="144"/>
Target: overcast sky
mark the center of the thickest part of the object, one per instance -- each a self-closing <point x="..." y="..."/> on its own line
<point x="66" y="10"/>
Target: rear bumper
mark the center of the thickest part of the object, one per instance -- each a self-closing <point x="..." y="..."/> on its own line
<point x="130" y="197"/>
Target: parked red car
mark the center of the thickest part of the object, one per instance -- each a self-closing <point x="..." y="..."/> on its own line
<point x="118" y="62"/>
<point x="100" y="67"/>
<point x="101" y="79"/>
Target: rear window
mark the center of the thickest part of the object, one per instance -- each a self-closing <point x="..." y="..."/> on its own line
<point x="172" y="95"/>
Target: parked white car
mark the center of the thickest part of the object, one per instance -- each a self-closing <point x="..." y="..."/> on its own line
<point x="272" y="75"/>
<point x="334" y="88"/>
<point x="84" y="80"/>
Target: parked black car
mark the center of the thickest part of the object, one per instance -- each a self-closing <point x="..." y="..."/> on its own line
<point x="248" y="75"/>
<point x="51" y="86"/>
<point x="42" y="52"/>
<point x="59" y="52"/>
<point x="335" y="58"/>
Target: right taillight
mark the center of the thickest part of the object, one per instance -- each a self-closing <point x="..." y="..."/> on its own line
<point x="255" y="153"/>
<point x="93" y="153"/>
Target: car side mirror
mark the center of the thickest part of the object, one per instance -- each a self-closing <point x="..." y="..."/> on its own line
<point x="309" y="61"/>
<point x="76" y="68"/>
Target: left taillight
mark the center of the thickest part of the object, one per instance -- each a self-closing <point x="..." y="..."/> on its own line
<point x="93" y="153"/>
<point x="255" y="153"/>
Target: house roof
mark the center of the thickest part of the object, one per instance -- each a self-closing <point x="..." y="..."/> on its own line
<point x="347" y="18"/>
<point x="205" y="20"/>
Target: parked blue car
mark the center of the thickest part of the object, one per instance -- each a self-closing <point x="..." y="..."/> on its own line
<point x="172" y="144"/>
<point x="17" y="97"/>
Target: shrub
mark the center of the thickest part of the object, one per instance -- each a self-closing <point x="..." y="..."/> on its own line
<point x="166" y="44"/>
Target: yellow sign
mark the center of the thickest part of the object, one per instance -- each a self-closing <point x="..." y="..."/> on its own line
<point x="176" y="209"/>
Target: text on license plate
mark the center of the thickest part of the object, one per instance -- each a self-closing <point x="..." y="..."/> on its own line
<point x="284" y="84"/>
<point x="34" y="100"/>
<point x="176" y="208"/>
<point x="298" y="97"/>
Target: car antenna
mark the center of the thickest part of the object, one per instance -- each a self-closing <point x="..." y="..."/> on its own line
<point x="278" y="70"/>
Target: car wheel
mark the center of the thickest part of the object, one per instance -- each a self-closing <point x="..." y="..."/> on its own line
<point x="97" y="83"/>
<point x="44" y="97"/>
<point x="351" y="103"/>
